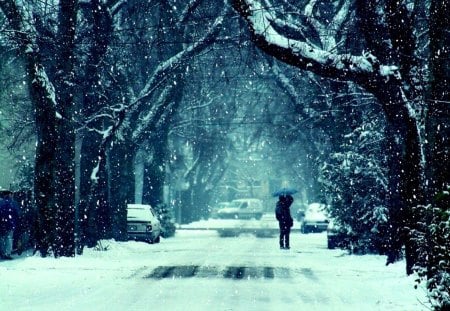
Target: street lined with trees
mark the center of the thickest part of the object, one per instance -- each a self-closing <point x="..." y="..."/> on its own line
<point x="180" y="104"/>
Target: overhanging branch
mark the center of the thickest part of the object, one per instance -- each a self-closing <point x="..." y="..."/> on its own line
<point x="363" y="69"/>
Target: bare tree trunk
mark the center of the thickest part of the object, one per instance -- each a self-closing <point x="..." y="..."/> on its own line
<point x="121" y="166"/>
<point x="44" y="166"/>
<point x="93" y="189"/>
<point x="437" y="124"/>
<point x="438" y="148"/>
<point x="65" y="138"/>
<point x="154" y="173"/>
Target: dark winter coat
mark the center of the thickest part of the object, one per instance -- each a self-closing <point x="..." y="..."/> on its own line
<point x="283" y="213"/>
<point x="9" y="215"/>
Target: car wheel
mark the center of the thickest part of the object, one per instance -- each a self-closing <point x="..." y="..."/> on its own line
<point x="157" y="239"/>
<point x="258" y="216"/>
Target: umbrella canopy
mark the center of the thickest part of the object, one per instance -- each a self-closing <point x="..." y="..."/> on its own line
<point x="284" y="191"/>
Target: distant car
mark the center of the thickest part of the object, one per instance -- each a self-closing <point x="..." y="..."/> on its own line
<point x="337" y="236"/>
<point x="143" y="223"/>
<point x="315" y="219"/>
<point x="217" y="207"/>
<point x="242" y="209"/>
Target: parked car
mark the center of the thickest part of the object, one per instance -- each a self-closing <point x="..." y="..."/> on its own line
<point x="337" y="236"/>
<point x="315" y="219"/>
<point x="242" y="209"/>
<point x="143" y="223"/>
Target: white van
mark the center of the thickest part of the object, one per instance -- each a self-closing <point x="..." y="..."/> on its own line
<point x="242" y="209"/>
<point x="143" y="223"/>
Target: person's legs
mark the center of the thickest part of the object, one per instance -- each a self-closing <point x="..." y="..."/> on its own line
<point x="288" y="231"/>
<point x="284" y="238"/>
<point x="281" y="238"/>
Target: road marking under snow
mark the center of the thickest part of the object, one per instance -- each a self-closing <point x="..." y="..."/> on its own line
<point x="229" y="272"/>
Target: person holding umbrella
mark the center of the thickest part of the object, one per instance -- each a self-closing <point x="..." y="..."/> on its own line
<point x="285" y="221"/>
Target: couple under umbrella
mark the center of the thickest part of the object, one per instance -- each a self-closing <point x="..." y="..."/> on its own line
<point x="283" y="214"/>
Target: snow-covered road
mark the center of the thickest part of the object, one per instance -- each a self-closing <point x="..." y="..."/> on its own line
<point x="198" y="270"/>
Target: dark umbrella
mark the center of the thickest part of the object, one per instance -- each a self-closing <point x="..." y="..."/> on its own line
<point x="284" y="191"/>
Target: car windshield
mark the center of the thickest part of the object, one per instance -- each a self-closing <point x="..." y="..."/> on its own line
<point x="138" y="213"/>
<point x="235" y="204"/>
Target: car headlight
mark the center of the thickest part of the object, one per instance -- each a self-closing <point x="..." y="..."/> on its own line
<point x="149" y="228"/>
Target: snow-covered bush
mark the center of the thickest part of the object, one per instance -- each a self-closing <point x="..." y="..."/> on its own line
<point x="355" y="186"/>
<point x="432" y="237"/>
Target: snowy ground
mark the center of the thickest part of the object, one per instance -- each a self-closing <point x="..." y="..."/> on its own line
<point x="198" y="270"/>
